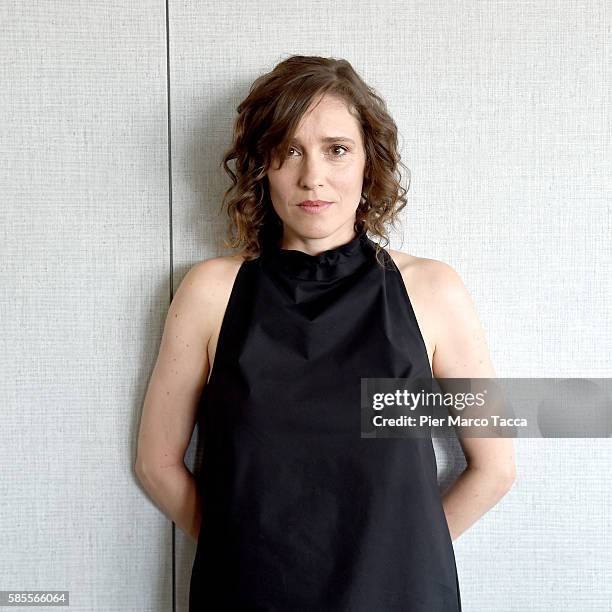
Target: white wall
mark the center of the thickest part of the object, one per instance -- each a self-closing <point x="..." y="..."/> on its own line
<point x="504" y="114"/>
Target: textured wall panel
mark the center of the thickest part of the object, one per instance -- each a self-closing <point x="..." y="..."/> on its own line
<point x="504" y="113"/>
<point x="504" y="117"/>
<point x="84" y="181"/>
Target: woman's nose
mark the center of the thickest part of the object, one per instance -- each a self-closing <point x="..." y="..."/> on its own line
<point x="312" y="172"/>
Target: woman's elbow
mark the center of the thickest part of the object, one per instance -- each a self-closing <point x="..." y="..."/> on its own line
<point x="499" y="478"/>
<point x="140" y="470"/>
<point x="506" y="479"/>
<point x="143" y="471"/>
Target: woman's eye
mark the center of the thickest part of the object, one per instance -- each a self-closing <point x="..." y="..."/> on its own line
<point x="341" y="148"/>
<point x="333" y="147"/>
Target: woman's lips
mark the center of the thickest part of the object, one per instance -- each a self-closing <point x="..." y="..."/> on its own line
<point x="314" y="207"/>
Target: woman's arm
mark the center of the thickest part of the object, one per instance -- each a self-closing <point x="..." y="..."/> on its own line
<point x="461" y="352"/>
<point x="174" y="390"/>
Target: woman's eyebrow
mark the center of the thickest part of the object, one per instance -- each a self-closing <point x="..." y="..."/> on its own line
<point x="328" y="139"/>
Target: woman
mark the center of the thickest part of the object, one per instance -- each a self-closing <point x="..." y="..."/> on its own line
<point x="292" y="509"/>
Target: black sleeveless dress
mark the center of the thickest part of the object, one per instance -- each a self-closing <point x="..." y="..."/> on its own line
<point x="299" y="513"/>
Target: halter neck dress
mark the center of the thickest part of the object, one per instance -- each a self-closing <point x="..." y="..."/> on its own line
<point x="299" y="512"/>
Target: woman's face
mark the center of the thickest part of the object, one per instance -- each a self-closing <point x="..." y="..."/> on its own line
<point x="326" y="161"/>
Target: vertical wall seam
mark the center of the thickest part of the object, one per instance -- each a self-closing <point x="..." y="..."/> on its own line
<point x="171" y="251"/>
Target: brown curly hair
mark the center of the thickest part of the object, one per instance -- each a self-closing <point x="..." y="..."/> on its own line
<point x="266" y="122"/>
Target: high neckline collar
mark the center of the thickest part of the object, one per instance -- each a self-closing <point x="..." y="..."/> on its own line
<point x="330" y="264"/>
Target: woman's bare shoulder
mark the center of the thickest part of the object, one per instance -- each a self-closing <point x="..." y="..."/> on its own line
<point x="435" y="288"/>
<point x="218" y="265"/>
<point x="425" y="273"/>
<point x="205" y="289"/>
<point x="215" y="276"/>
